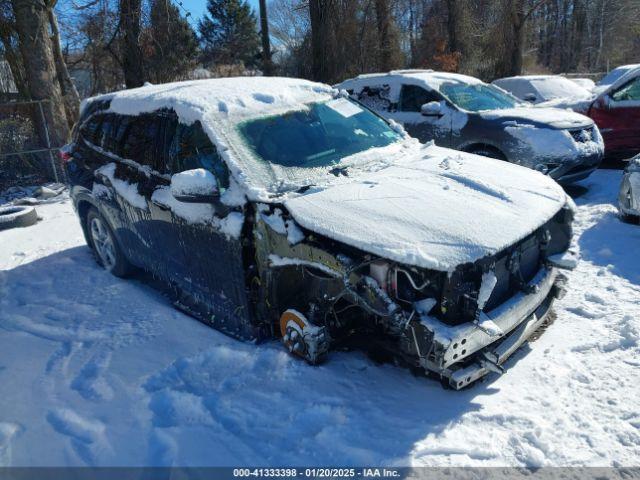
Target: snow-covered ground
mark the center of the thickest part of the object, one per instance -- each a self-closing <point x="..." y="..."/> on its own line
<point x="101" y="371"/>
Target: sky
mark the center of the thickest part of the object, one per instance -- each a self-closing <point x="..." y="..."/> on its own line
<point x="198" y="7"/>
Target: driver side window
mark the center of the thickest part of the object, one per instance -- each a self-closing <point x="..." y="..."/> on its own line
<point x="628" y="92"/>
<point x="412" y="97"/>
<point x="191" y="149"/>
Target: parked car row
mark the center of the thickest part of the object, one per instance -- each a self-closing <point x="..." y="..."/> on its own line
<point x="282" y="208"/>
<point x="613" y="103"/>
<point x="463" y="113"/>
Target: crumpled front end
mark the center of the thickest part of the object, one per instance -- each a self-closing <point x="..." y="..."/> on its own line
<point x="456" y="325"/>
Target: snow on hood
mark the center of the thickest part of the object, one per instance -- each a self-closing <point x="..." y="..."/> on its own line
<point x="553" y="117"/>
<point x="436" y="209"/>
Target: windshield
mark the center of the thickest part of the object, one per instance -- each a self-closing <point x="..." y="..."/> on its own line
<point x="478" y="97"/>
<point x="318" y="136"/>
<point x="615" y="74"/>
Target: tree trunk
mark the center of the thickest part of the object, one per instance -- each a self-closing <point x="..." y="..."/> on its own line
<point x="319" y="12"/>
<point x="132" y="61"/>
<point x="37" y="57"/>
<point x="12" y="56"/>
<point x="383" y="21"/>
<point x="69" y="92"/>
<point x="267" y="64"/>
<point x="452" y="26"/>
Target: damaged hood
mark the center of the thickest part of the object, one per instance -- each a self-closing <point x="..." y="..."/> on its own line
<point x="540" y="117"/>
<point x="436" y="209"/>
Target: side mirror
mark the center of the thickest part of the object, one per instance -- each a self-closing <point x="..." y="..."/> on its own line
<point x="530" y="97"/>
<point x="603" y="102"/>
<point x="431" y="109"/>
<point x="195" y="186"/>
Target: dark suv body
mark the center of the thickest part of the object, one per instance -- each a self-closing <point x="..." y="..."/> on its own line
<point x="277" y="208"/>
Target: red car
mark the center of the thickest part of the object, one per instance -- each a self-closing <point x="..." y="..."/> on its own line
<point x="613" y="104"/>
<point x="616" y="111"/>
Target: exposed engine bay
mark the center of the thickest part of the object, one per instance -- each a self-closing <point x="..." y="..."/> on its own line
<point x="457" y="325"/>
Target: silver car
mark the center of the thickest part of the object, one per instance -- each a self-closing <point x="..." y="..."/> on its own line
<point x="629" y="196"/>
<point x="463" y="113"/>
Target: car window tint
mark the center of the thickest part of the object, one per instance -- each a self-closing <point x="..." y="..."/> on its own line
<point x="191" y="148"/>
<point x="139" y="143"/>
<point x="376" y="97"/>
<point x="630" y="91"/>
<point x="108" y="131"/>
<point x="412" y="97"/>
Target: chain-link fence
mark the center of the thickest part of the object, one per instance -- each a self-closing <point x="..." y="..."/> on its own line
<point x="26" y="154"/>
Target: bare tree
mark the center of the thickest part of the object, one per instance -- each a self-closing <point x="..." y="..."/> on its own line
<point x="32" y="21"/>
<point x="267" y="64"/>
<point x="320" y="15"/>
<point x="67" y="87"/>
<point x="132" y="60"/>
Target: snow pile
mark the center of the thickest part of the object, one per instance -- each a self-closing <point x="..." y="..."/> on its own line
<point x="33" y="195"/>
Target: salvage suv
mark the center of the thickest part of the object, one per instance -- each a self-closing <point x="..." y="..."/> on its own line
<point x="279" y="208"/>
<point x="464" y="113"/>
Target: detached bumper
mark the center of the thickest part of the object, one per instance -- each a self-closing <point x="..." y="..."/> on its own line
<point x="470" y="351"/>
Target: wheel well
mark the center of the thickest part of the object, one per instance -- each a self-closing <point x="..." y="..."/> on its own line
<point x="485" y="146"/>
<point x="83" y="210"/>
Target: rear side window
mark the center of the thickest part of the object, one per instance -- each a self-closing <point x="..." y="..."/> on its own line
<point x="90" y="130"/>
<point x="191" y="148"/>
<point x="412" y="97"/>
<point x="376" y="97"/>
<point x="139" y="141"/>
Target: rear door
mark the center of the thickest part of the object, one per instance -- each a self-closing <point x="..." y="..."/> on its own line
<point x="133" y="177"/>
<point x="424" y="128"/>
<point x="618" y="117"/>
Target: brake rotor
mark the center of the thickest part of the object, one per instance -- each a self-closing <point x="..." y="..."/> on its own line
<point x="292" y="325"/>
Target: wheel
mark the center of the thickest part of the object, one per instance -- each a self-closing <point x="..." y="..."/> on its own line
<point x="489" y="152"/>
<point x="17" y="216"/>
<point x="105" y="245"/>
<point x="302" y="338"/>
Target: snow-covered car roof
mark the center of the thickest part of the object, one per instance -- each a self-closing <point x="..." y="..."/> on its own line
<point x="220" y="105"/>
<point x="547" y="87"/>
<point x="426" y="77"/>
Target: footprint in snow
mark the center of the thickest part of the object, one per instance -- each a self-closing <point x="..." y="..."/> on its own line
<point x="87" y="436"/>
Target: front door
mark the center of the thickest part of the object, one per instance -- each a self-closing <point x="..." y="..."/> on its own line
<point x="618" y="117"/>
<point x="425" y="128"/>
<point x="204" y="238"/>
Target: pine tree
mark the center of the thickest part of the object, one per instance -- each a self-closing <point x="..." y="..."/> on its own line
<point x="228" y="33"/>
<point x="172" y="44"/>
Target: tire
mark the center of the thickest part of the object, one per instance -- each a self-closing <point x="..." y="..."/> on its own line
<point x="489" y="152"/>
<point x="105" y="246"/>
<point x="17" y="216"/>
